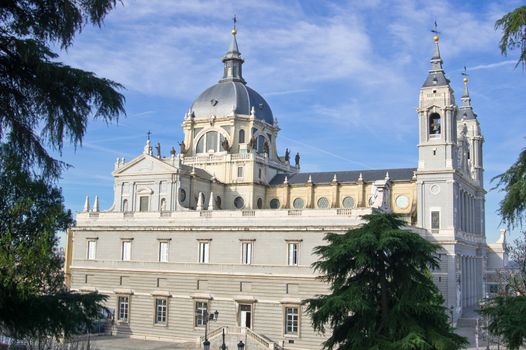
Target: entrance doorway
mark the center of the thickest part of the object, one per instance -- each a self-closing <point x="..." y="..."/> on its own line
<point x="245" y="315"/>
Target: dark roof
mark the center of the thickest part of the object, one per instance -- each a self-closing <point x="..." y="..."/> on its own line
<point x="345" y="176"/>
<point x="436" y="79"/>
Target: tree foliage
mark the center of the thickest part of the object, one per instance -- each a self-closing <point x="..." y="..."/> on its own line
<point x="513" y="182"/>
<point x="507" y="311"/>
<point x="516" y="283"/>
<point x="513" y="25"/>
<point x="382" y="294"/>
<point x="507" y="318"/>
<point x="42" y="101"/>
<point x="33" y="300"/>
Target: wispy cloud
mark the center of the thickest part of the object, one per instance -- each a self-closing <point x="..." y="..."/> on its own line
<point x="324" y="151"/>
<point x="493" y="65"/>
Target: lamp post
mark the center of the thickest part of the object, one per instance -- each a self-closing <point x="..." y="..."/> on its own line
<point x="223" y="346"/>
<point x="240" y="345"/>
<point x="206" y="318"/>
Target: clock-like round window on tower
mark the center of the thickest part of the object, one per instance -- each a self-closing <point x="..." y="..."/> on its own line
<point x="239" y="203"/>
<point x="323" y="203"/>
<point x="274" y="203"/>
<point x="402" y="202"/>
<point x="298" y="203"/>
<point x="348" y="202"/>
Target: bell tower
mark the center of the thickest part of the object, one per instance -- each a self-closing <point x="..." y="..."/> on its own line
<point x="469" y="129"/>
<point x="437" y="119"/>
<point x="437" y="151"/>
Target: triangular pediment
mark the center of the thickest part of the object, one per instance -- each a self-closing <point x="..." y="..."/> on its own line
<point x="146" y="164"/>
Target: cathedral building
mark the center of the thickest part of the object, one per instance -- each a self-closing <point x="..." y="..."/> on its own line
<point x="228" y="222"/>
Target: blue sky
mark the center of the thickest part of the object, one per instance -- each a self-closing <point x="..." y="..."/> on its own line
<point x="342" y="77"/>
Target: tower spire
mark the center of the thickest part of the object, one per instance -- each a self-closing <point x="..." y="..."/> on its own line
<point x="232" y="59"/>
<point x="436" y="76"/>
<point x="466" y="109"/>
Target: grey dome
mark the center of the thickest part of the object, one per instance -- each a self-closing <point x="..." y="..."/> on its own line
<point x="227" y="96"/>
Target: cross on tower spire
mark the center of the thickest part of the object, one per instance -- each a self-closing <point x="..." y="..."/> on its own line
<point x="234" y="29"/>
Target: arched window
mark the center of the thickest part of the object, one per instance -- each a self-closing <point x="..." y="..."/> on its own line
<point x="163" y="204"/>
<point x="210" y="142"/>
<point x="125" y="205"/>
<point x="241" y="138"/>
<point x="435" y="125"/>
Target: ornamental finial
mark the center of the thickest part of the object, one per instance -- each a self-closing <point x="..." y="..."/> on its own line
<point x="465" y="74"/>
<point x="435" y="30"/>
<point x="234" y="29"/>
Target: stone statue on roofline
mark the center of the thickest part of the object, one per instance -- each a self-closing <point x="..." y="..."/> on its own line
<point x="287" y="155"/>
<point x="182" y="147"/>
<point x="158" y="150"/>
<point x="226" y="145"/>
<point x="297" y="159"/>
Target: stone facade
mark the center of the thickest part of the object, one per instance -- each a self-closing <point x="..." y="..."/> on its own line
<point x="228" y="224"/>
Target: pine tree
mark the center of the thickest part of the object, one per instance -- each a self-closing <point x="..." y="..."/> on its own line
<point x="42" y="101"/>
<point x="512" y="208"/>
<point x="382" y="294"/>
<point x="513" y="25"/>
<point x="34" y="302"/>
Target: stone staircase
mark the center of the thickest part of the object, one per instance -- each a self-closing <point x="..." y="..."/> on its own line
<point x="468" y="319"/>
<point x="233" y="335"/>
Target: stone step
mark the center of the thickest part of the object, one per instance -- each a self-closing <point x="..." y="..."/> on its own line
<point x="467" y="322"/>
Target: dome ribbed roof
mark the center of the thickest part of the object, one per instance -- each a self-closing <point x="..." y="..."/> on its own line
<point x="226" y="97"/>
<point x="231" y="94"/>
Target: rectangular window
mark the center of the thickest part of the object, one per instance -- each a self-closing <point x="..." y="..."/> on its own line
<point x="92" y="248"/>
<point x="201" y="312"/>
<point x="161" y="311"/>
<point x="240" y="171"/>
<point x="143" y="203"/>
<point x="291" y="320"/>
<point x="293" y="254"/>
<point x="435" y="221"/>
<point x="123" y="308"/>
<point x="163" y="251"/>
<point x="246" y="253"/>
<point x="204" y="251"/>
<point x="126" y="250"/>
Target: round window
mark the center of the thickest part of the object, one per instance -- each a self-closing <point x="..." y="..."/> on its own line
<point x="260" y="203"/>
<point x="298" y="203"/>
<point x="402" y="202"/>
<point x="323" y="203"/>
<point x="274" y="203"/>
<point x="348" y="202"/>
<point x="239" y="202"/>
<point x="182" y="195"/>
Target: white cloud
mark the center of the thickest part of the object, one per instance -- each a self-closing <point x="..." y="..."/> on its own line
<point x="493" y="65"/>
